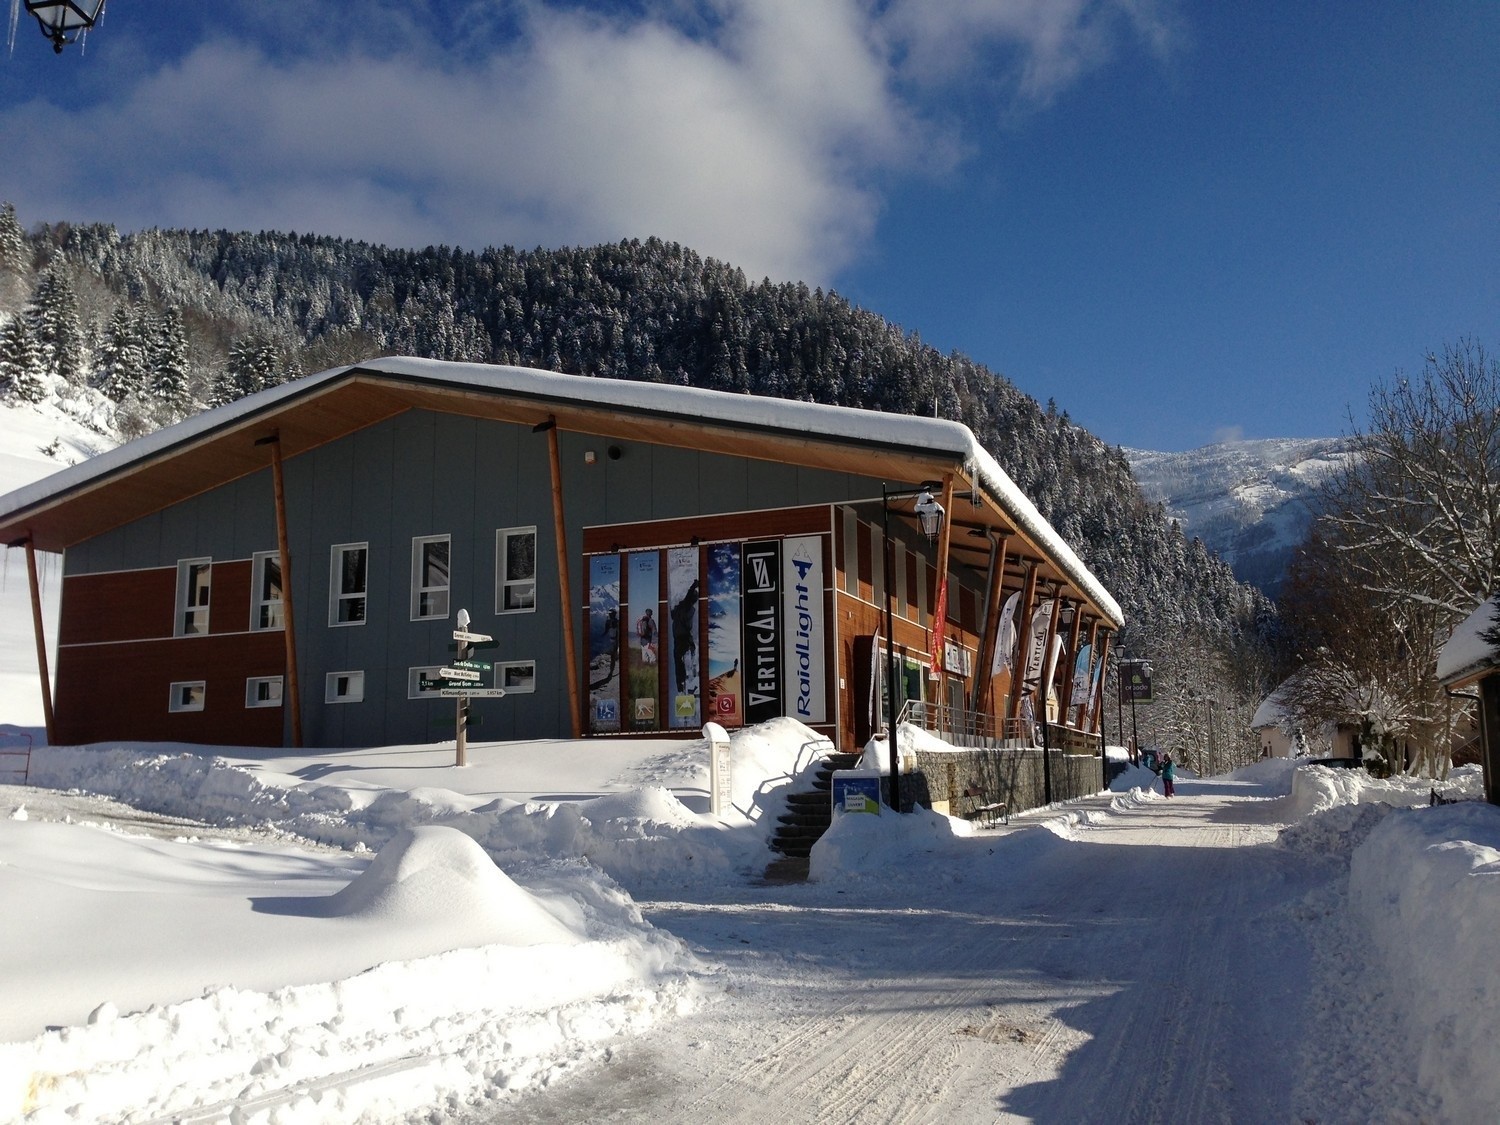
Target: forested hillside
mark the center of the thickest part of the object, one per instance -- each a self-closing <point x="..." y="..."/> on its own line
<point x="166" y="323"/>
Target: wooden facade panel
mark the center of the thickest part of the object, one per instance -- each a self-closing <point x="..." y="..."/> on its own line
<point x="119" y="606"/>
<point x="103" y="689"/>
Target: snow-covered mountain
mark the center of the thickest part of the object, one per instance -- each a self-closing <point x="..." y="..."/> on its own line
<point x="1247" y="500"/>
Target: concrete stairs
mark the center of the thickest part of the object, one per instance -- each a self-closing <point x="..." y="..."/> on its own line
<point x="809" y="812"/>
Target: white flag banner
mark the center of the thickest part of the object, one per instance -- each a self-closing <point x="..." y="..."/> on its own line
<point x="1005" y="643"/>
<point x="1036" y="644"/>
<point x="1079" y="693"/>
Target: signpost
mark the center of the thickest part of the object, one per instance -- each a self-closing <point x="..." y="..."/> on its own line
<point x="461" y="681"/>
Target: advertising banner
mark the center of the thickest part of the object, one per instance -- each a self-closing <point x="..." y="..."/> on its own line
<point x="940" y="624"/>
<point x="604" y="643"/>
<point x="683" y="592"/>
<point x="643" y="649"/>
<point x="1005" y="641"/>
<point x="761" y="609"/>
<point x="1079" y="693"/>
<point x="725" y="703"/>
<point x="1036" y="644"/>
<point x="805" y="640"/>
<point x="1135" y="681"/>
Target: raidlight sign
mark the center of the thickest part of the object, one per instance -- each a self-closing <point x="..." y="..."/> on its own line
<point x="804" y="643"/>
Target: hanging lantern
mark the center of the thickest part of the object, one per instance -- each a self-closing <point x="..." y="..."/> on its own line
<point x="929" y="513"/>
<point x="64" y="21"/>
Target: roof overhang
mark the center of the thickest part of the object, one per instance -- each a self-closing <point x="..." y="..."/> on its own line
<point x="230" y="442"/>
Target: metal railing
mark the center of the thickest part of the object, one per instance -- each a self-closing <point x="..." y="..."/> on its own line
<point x="981" y="730"/>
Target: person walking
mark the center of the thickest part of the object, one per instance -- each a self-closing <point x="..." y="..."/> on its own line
<point x="1168" y="775"/>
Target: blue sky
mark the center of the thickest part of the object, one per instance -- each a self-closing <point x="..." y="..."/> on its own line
<point x="1180" y="220"/>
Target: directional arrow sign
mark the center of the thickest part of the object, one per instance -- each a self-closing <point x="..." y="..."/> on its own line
<point x="474" y="665"/>
<point x="471" y="638"/>
<point x="472" y="693"/>
<point x="460" y="673"/>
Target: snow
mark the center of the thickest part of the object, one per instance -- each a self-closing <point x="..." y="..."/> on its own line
<point x="1466" y="651"/>
<point x="561" y="931"/>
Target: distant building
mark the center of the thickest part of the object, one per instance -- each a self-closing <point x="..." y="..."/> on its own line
<point x="644" y="557"/>
<point x="1469" y="664"/>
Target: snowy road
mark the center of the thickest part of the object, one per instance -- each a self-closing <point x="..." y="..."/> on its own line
<point x="1152" y="963"/>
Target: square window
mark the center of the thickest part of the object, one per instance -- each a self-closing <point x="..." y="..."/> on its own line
<point x="348" y="583"/>
<point x="194" y="582"/>
<point x="517" y="677"/>
<point x="263" y="691"/>
<point x="423" y="683"/>
<point x="344" y="687"/>
<point x="515" y="570"/>
<point x="430" y="577"/>
<point x="265" y="591"/>
<point x="187" y="696"/>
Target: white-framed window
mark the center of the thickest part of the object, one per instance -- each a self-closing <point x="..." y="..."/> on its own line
<point x="517" y="677"/>
<point x="348" y="583"/>
<point x="416" y="677"/>
<point x="344" y="687"/>
<point x="263" y="691"/>
<point x="265" y="591"/>
<point x="188" y="695"/>
<point x="430" y="576"/>
<point x="515" y="570"/>
<point x="194" y="582"/>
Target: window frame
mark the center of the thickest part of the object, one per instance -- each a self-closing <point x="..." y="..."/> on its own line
<point x="186" y="589"/>
<point x="330" y="685"/>
<point x="259" y="604"/>
<point x="336" y="596"/>
<point x="503" y="582"/>
<point x="500" y="670"/>
<point x="414" y="673"/>
<point x="177" y="706"/>
<point x="419" y="544"/>
<point x="251" y="683"/>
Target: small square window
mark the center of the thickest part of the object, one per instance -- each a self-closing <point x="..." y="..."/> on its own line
<point x="263" y="691"/>
<point x="517" y="677"/>
<point x="344" y="687"/>
<point x="423" y="683"/>
<point x="187" y="696"/>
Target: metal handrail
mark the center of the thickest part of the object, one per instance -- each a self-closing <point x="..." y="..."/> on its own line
<point x="963" y="727"/>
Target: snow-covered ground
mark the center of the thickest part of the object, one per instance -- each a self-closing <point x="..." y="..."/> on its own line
<point x="561" y="931"/>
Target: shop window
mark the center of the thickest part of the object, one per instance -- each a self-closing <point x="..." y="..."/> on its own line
<point x="194" y="579"/>
<point x="430" y="577"/>
<point x="348" y="583"/>
<point x="344" y="687"/>
<point x="515" y="570"/>
<point x="265" y="587"/>
<point x="263" y="691"/>
<point x="187" y="696"/>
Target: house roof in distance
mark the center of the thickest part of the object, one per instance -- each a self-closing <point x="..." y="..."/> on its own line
<point x="229" y="442"/>
<point x="1467" y="655"/>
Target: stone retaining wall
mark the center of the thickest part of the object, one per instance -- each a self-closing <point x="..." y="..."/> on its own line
<point x="1012" y="776"/>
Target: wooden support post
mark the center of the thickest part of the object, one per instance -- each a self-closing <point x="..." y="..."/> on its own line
<point x="1023" y="632"/>
<point x="41" y="640"/>
<point x="293" y="692"/>
<point x="564" y="577"/>
<point x="984" y="682"/>
<point x="1065" y="693"/>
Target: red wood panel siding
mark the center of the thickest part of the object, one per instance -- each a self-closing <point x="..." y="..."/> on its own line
<point x="118" y="691"/>
<point x="122" y="606"/>
<point x="229" y="599"/>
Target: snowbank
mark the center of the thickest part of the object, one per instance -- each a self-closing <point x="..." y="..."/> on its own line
<point x="1426" y="886"/>
<point x="859" y="845"/>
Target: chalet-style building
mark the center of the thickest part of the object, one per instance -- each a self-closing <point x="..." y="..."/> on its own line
<point x="289" y="569"/>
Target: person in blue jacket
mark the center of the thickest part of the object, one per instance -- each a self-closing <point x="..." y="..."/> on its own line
<point x="1168" y="775"/>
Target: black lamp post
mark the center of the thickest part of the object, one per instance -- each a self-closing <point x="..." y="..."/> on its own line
<point x="63" y="21"/>
<point x="930" y="515"/>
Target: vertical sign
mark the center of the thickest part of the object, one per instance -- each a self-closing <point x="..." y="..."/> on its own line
<point x="604" y="643"/>
<point x="644" y="664"/>
<point x="1036" y="644"/>
<point x="761" y="582"/>
<point x="683" y="592"/>
<point x="1078" y="694"/>
<point x="724" y="701"/>
<point x="802" y="595"/>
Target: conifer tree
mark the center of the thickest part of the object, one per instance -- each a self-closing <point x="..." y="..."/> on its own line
<point x="19" y="362"/>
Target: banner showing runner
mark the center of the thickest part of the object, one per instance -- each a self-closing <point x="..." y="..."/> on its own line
<point x="604" y="643"/>
<point x="683" y="591"/>
<point x="643" y="649"/>
<point x="724" y="679"/>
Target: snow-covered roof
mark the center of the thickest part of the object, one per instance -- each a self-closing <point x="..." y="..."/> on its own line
<point x="1272" y="710"/>
<point x="931" y="439"/>
<point x="1467" y="653"/>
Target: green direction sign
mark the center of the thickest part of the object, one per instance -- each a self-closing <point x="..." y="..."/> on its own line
<point x="474" y="665"/>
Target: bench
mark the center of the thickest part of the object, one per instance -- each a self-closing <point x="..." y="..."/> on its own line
<point x="976" y="806"/>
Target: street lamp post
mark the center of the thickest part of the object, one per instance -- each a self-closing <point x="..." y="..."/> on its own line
<point x="930" y="514"/>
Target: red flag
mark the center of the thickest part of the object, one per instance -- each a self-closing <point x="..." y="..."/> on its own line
<point x="939" y="621"/>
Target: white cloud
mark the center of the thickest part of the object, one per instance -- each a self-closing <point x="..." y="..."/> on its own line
<point x="752" y="130"/>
